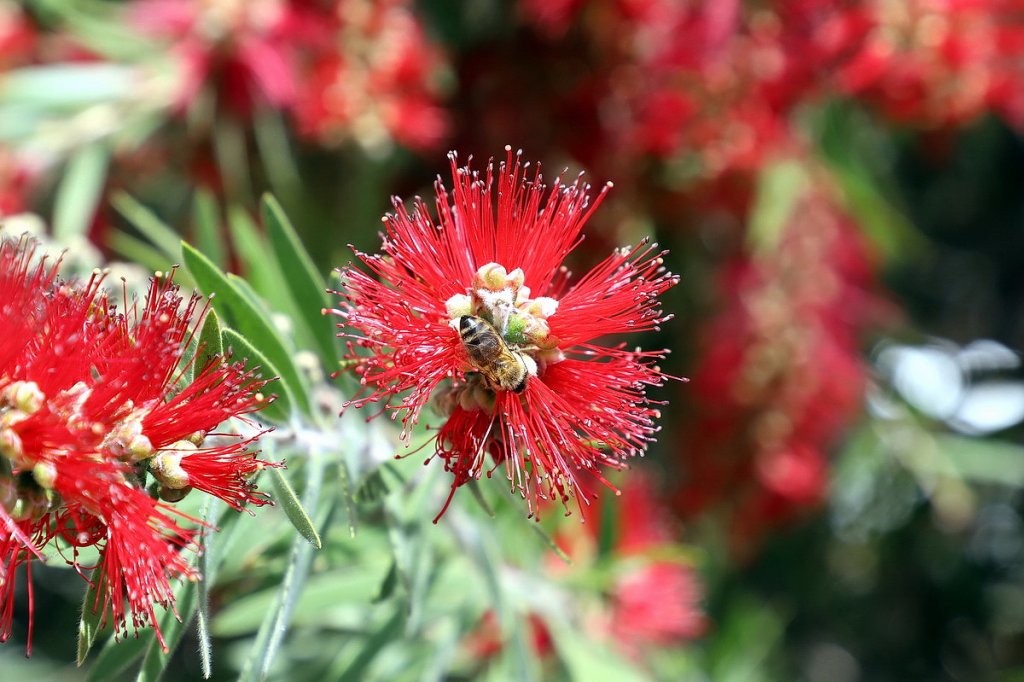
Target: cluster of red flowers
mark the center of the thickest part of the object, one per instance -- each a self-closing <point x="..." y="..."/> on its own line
<point x="781" y="374"/>
<point x="653" y="597"/>
<point x="713" y="86"/>
<point x="654" y="601"/>
<point x="936" y="63"/>
<point x="344" y="68"/>
<point x="95" y="405"/>
<point x="496" y="258"/>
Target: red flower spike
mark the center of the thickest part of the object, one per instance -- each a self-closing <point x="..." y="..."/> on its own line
<point x="90" y="406"/>
<point x="496" y="254"/>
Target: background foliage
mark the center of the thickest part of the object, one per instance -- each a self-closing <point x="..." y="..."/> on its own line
<point x="843" y="473"/>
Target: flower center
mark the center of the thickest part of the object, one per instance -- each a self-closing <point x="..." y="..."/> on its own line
<point x="500" y="298"/>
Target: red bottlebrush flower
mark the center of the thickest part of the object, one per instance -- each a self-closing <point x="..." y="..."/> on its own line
<point x="479" y="313"/>
<point x="89" y="409"/>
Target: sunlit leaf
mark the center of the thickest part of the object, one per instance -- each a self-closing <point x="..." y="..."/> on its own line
<point x="209" y="345"/>
<point x="279" y="411"/>
<point x="91" y="616"/>
<point x="289" y="502"/>
<point x="275" y="623"/>
<point x="307" y="286"/>
<point x="79" y="193"/>
<point x="251" y="322"/>
<point x="206" y="219"/>
<point x="146" y="222"/>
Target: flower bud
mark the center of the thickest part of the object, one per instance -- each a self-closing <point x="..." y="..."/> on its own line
<point x="459" y="305"/>
<point x="166" y="465"/>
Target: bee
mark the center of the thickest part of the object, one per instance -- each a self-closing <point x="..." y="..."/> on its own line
<point x="503" y="368"/>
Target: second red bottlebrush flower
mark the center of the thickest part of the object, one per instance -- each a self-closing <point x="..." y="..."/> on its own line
<point x="477" y="314"/>
<point x="96" y="404"/>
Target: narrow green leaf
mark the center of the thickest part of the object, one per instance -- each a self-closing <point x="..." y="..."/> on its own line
<point x="387" y="588"/>
<point x="92" y="616"/>
<point x="474" y="487"/>
<point x="142" y="252"/>
<point x="779" y="186"/>
<point x="307" y="286"/>
<point x="207" y="563"/>
<point x="69" y="86"/>
<point x="173" y="630"/>
<point x="279" y="411"/>
<point x="118" y="656"/>
<point x="550" y="542"/>
<point x="231" y="150"/>
<point x="251" y="322"/>
<point x="587" y="663"/>
<point x="210" y="344"/>
<point x="272" y="135"/>
<point x="356" y="670"/>
<point x="275" y="624"/>
<point x="145" y="221"/>
<point x="259" y="262"/>
<point x="608" y="530"/>
<point x="984" y="460"/>
<point x="292" y="507"/>
<point x="353" y="585"/>
<point x="347" y="496"/>
<point x="79" y="192"/>
<point x="206" y="220"/>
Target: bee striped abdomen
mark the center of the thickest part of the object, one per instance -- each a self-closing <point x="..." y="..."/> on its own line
<point x="505" y="369"/>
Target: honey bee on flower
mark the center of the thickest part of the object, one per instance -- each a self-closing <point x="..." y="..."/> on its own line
<point x="477" y="316"/>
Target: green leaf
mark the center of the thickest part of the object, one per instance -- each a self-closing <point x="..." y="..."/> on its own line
<point x="292" y="507"/>
<point x="207" y="569"/>
<point x="608" y="530"/>
<point x="478" y="496"/>
<point x="142" y="252"/>
<point x="206" y="219"/>
<point x="275" y="624"/>
<point x="850" y="144"/>
<point x="145" y="221"/>
<point x="173" y="630"/>
<point x="588" y="663"/>
<point x="118" y="656"/>
<point x="984" y="460"/>
<point x="387" y="588"/>
<point x="356" y="670"/>
<point x="779" y="186"/>
<point x="354" y="585"/>
<point x="79" y="192"/>
<point x="307" y="286"/>
<point x="250" y="321"/>
<point x="210" y="344"/>
<point x="92" y="615"/>
<point x="279" y="411"/>
<point x="550" y="542"/>
<point x="259" y="261"/>
<point x="69" y="86"/>
<point x="347" y="496"/>
<point x="271" y="132"/>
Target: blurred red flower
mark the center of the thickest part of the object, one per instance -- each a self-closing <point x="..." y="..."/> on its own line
<point x="247" y="51"/>
<point x="91" y="405"/>
<point x="375" y="80"/>
<point x="780" y="375"/>
<point x="496" y="258"/>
